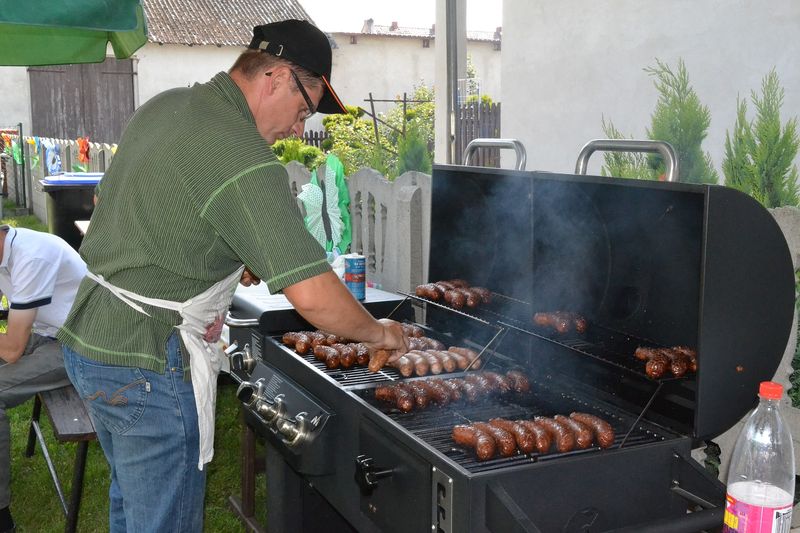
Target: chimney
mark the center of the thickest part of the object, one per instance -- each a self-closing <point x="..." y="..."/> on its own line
<point x="367" y="27"/>
<point x="394" y="26"/>
<point x="498" y="33"/>
<point x="433" y="29"/>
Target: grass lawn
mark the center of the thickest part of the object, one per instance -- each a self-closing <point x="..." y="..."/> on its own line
<point x="35" y="504"/>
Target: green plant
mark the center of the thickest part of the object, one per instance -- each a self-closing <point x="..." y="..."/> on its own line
<point x="624" y="164"/>
<point x="759" y="155"/>
<point x="412" y="152"/>
<point x="679" y="119"/>
<point x="294" y="149"/>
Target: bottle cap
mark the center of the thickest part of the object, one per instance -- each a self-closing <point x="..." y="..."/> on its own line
<point x="770" y="390"/>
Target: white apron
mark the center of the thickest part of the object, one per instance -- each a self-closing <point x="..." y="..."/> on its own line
<point x="203" y="318"/>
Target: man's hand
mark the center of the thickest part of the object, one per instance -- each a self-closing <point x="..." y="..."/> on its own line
<point x="248" y="278"/>
<point x="393" y="345"/>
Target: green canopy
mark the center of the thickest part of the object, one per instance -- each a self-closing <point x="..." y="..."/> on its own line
<point x="47" y="32"/>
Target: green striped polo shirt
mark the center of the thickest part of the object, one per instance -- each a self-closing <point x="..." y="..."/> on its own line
<point x="192" y="193"/>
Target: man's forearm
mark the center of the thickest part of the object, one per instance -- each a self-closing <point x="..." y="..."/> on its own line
<point x="325" y="302"/>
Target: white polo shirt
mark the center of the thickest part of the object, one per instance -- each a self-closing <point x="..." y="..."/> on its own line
<point x="40" y="271"/>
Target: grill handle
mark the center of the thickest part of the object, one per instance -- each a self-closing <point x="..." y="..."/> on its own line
<point x="629" y="145"/>
<point x="513" y="144"/>
<point x="233" y="322"/>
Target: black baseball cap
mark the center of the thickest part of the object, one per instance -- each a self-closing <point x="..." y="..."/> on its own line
<point x="305" y="45"/>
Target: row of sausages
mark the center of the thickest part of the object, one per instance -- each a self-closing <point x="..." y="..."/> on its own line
<point x="561" y="321"/>
<point x="506" y="437"/>
<point x="436" y="361"/>
<point x="678" y="360"/>
<point x="457" y="293"/>
<point x="472" y="388"/>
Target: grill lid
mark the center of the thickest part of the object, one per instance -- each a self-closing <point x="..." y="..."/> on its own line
<point x="663" y="264"/>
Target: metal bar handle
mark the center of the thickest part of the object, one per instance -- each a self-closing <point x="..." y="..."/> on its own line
<point x="232" y="322"/>
<point x="629" y="145"/>
<point x="514" y="144"/>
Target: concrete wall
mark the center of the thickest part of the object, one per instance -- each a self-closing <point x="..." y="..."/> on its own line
<point x="568" y="64"/>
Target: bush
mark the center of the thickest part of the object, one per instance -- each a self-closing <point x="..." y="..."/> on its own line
<point x="294" y="149"/>
<point x="679" y="119"/>
<point x="759" y="155"/>
<point x="412" y="152"/>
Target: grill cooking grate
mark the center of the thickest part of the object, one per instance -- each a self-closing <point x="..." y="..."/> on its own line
<point x="434" y="425"/>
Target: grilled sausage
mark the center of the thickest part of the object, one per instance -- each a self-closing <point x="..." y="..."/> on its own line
<point x="429" y="291"/>
<point x="459" y="283"/>
<point x="678" y="362"/>
<point x="526" y="441"/>
<point x="657" y="366"/>
<point x="455" y="298"/>
<point x="412" y="330"/>
<point x="436" y="391"/>
<point x="506" y="445"/>
<point x="328" y="355"/>
<point x="377" y="361"/>
<point x="460" y="360"/>
<point x="404" y="365"/>
<point x="421" y="395"/>
<point x="580" y="324"/>
<point x="347" y="355"/>
<point x="541" y="435"/>
<point x="471" y="437"/>
<point x="416" y="343"/>
<point x="583" y="435"/>
<point x="401" y="398"/>
<point x="644" y="353"/>
<point x="317" y="338"/>
<point x="289" y="338"/>
<point x="691" y="354"/>
<point x="483" y="385"/>
<point x="434" y="363"/>
<point x="303" y="344"/>
<point x="520" y="381"/>
<point x="472" y="355"/>
<point x="603" y="432"/>
<point x="472" y="391"/>
<point x="454" y="387"/>
<point x="561" y="435"/>
<point x="446" y="285"/>
<point x="448" y="361"/>
<point x="421" y="364"/>
<point x="470" y="298"/>
<point x="433" y="344"/>
<point x="334" y="339"/>
<point x="362" y="353"/>
<point x="484" y="293"/>
<point x="499" y="383"/>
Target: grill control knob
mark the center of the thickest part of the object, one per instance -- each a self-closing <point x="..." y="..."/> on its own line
<point x="293" y="432"/>
<point x="242" y="361"/>
<point x="368" y="475"/>
<point x="270" y="410"/>
<point x="249" y="393"/>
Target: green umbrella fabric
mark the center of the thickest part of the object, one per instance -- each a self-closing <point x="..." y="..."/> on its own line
<point x="44" y="32"/>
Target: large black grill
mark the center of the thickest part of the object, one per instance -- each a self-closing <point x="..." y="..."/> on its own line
<point x="647" y="264"/>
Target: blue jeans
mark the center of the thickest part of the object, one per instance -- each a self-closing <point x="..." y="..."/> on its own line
<point x="147" y="426"/>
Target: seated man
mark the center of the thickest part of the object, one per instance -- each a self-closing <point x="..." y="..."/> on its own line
<point x="39" y="275"/>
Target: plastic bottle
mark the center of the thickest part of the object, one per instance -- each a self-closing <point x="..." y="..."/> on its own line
<point x="761" y="473"/>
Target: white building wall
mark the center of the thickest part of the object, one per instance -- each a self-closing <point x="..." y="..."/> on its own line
<point x="16" y="98"/>
<point x="386" y="66"/>
<point x="568" y="64"/>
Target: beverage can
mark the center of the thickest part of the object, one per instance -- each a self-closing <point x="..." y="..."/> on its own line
<point x="355" y="275"/>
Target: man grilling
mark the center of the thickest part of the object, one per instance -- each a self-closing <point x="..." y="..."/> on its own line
<point x="194" y="194"/>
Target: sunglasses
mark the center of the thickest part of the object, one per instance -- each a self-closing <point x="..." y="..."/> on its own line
<point x="309" y="103"/>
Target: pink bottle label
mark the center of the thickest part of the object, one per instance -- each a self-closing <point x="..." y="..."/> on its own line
<point x="741" y="517"/>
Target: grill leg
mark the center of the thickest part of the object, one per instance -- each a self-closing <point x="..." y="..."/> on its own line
<point x="284" y="494"/>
